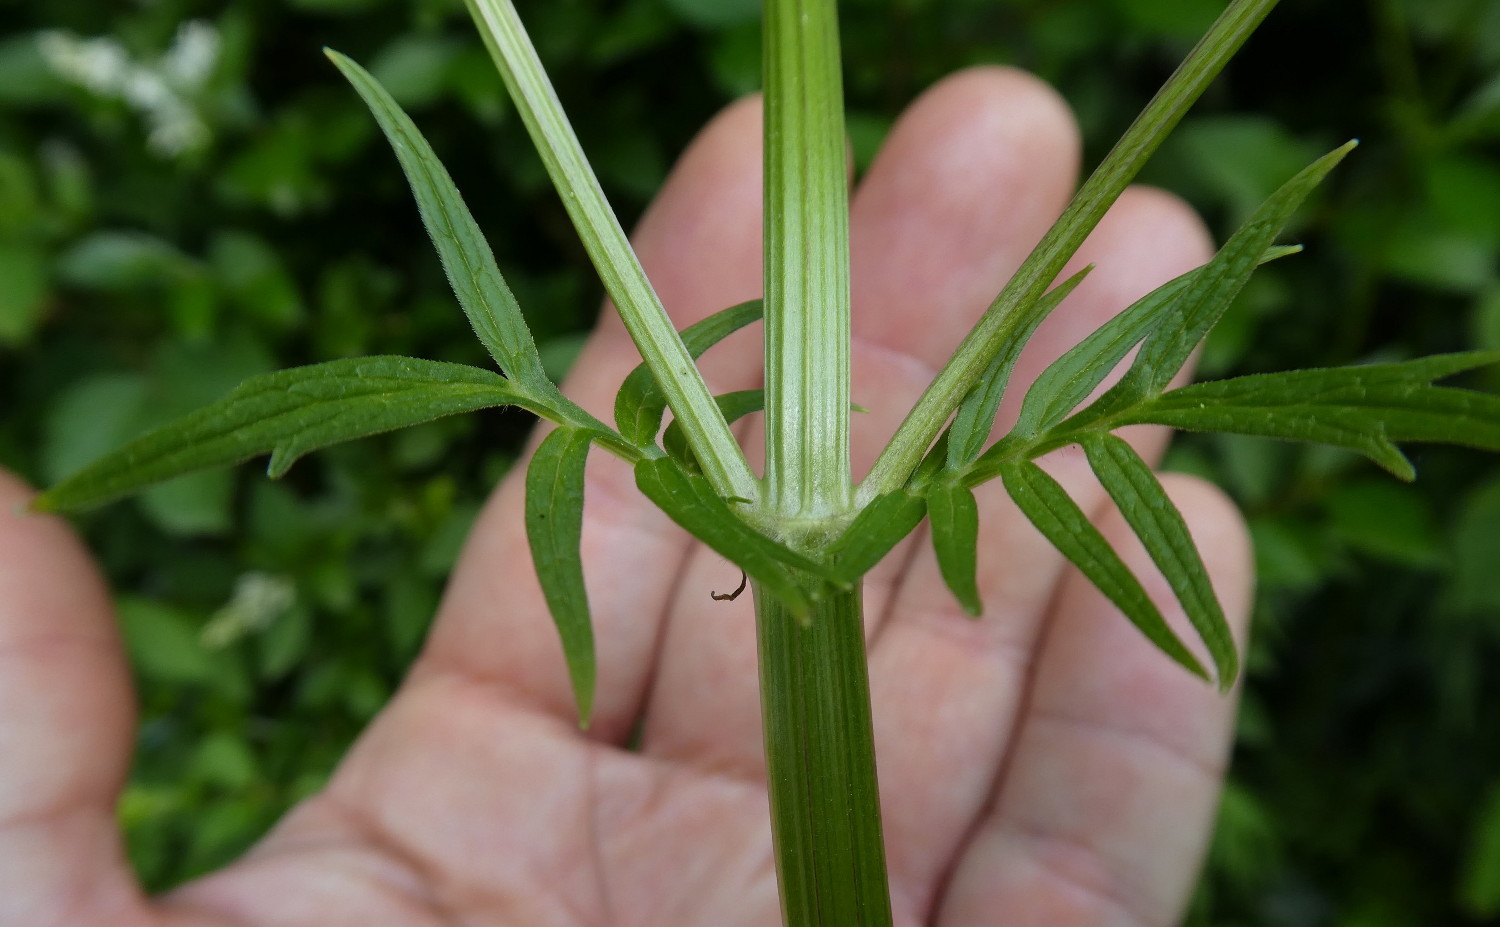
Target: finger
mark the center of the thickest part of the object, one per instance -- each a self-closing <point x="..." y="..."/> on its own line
<point x="969" y="179"/>
<point x="66" y="724"/>
<point x="700" y="243"/>
<point x="1104" y="811"/>
<point x="929" y="655"/>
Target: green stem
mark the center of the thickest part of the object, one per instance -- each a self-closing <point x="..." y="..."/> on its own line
<point x="820" y="764"/>
<point x="619" y="269"/>
<point x="807" y="263"/>
<point x="1104" y="186"/>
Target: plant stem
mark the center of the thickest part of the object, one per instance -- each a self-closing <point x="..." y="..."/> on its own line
<point x="807" y="263"/>
<point x="619" y="269"/>
<point x="1104" y="186"/>
<point x="820" y="764"/>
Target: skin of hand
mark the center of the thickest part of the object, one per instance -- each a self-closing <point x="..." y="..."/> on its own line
<point x="1043" y="765"/>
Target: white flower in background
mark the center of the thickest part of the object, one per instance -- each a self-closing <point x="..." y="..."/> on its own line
<point x="191" y="59"/>
<point x="163" y="92"/>
<point x="100" y="65"/>
<point x="258" y="600"/>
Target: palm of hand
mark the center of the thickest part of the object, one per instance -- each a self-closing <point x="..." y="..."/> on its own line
<point x="1043" y="763"/>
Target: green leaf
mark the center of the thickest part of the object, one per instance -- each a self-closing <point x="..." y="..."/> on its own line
<point x="287" y="413"/>
<point x="716" y="14"/>
<point x="164" y="643"/>
<point x="1234" y="160"/>
<point x="955" y="540"/>
<point x="878" y="527"/>
<point x="1365" y="409"/>
<point x="1070" y="379"/>
<point x="735" y="406"/>
<point x="89" y="418"/>
<point x="194" y="504"/>
<point x="1062" y="522"/>
<point x="414" y="68"/>
<point x="1479" y="886"/>
<point x="116" y="261"/>
<point x="976" y="415"/>
<point x="1210" y="292"/>
<point x="1161" y="528"/>
<point x="934" y="463"/>
<point x="1391" y="521"/>
<point x="942" y="397"/>
<point x="1476" y="549"/>
<point x="640" y="404"/>
<point x="465" y="254"/>
<point x="554" y="526"/>
<point x="23" y="291"/>
<point x="690" y="501"/>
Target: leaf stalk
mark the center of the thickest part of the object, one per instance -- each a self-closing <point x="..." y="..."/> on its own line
<point x="608" y="247"/>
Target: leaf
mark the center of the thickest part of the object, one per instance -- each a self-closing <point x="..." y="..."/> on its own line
<point x="976" y="414"/>
<point x="878" y="527"/>
<point x="164" y="643"/>
<point x="1210" y="292"/>
<point x="955" y="540"/>
<point x="1063" y="523"/>
<point x="115" y="261"/>
<point x="640" y="404"/>
<point x="287" y="413"/>
<point x="554" y="526"/>
<point x="1479" y="884"/>
<point x="690" y="501"/>
<point x="1389" y="521"/>
<point x="466" y="256"/>
<point x="1160" y="526"/>
<point x="1070" y="379"/>
<point x="23" y="291"/>
<point x="1365" y="409"/>
<point x="1476" y="549"/>
<point x="735" y="406"/>
<point x="716" y="14"/>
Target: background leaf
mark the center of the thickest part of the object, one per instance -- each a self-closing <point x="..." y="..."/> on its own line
<point x="1480" y="886"/>
<point x="554" y="526"/>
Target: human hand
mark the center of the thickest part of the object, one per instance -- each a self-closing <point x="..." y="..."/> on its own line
<point x="1042" y="765"/>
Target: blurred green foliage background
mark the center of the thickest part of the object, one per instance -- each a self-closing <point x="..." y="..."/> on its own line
<point x="189" y="194"/>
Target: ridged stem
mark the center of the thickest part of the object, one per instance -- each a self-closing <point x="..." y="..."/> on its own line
<point x="820" y="755"/>
<point x="807" y="263"/>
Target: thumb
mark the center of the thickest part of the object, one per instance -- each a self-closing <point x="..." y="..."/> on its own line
<point x="66" y="725"/>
